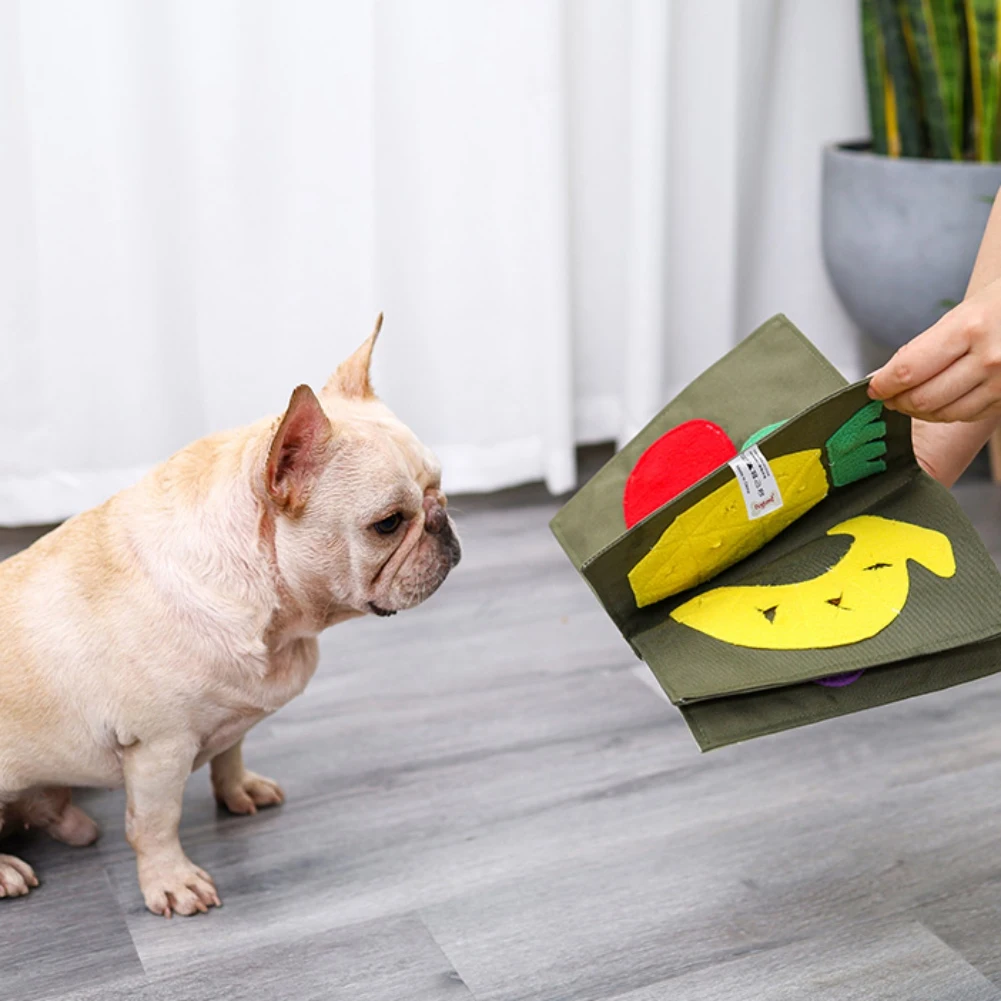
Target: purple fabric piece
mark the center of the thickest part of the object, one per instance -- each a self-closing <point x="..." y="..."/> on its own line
<point x="840" y="680"/>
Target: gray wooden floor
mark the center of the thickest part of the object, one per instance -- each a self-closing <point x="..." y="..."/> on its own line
<point x="487" y="799"/>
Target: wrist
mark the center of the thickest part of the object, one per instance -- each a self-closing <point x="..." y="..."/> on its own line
<point x="945" y="450"/>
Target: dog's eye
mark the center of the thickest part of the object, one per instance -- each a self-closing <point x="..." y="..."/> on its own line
<point x="389" y="525"/>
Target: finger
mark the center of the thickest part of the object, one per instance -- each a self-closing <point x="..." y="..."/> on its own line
<point x="922" y="358"/>
<point x="960" y="378"/>
<point x="976" y="405"/>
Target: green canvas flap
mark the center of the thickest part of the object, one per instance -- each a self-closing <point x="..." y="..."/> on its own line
<point x="720" y="722"/>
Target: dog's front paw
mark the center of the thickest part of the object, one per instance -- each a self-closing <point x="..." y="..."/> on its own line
<point x="177" y="887"/>
<point x="246" y="794"/>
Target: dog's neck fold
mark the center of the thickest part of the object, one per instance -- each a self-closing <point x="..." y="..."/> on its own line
<point x="214" y="558"/>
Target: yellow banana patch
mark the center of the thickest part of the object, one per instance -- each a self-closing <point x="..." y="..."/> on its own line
<point x="715" y="533"/>
<point x="854" y="600"/>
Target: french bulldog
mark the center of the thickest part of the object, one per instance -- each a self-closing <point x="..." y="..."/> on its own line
<point x="145" y="637"/>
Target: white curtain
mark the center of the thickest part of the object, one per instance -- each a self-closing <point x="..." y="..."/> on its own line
<point x="566" y="208"/>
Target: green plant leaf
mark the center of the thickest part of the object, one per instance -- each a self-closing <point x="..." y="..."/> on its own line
<point x="941" y="65"/>
<point x="875" y="77"/>
<point x="982" y="21"/>
<point x="935" y="58"/>
<point x="900" y="71"/>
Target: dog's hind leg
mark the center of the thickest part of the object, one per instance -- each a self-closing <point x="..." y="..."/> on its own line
<point x="51" y="810"/>
<point x="72" y="826"/>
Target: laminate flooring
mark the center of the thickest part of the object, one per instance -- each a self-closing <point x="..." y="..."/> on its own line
<point x="489" y="799"/>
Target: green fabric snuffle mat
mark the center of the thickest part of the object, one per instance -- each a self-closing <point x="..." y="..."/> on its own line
<point x="769" y="546"/>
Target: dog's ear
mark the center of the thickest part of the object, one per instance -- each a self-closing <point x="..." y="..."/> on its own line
<point x="351" y="379"/>
<point x="299" y="451"/>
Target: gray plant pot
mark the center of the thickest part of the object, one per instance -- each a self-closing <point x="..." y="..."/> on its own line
<point x="900" y="235"/>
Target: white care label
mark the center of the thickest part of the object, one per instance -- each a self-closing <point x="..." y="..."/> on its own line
<point x="757" y="483"/>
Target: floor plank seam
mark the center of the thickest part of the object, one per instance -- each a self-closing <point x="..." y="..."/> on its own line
<point x="454" y="971"/>
<point x="995" y="980"/>
<point x="113" y="889"/>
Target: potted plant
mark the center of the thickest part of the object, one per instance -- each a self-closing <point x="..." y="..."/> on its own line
<point x="903" y="214"/>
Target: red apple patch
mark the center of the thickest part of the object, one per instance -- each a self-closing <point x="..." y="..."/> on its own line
<point x="672" y="464"/>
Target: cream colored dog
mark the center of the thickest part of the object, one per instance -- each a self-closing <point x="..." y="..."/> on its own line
<point x="146" y="636"/>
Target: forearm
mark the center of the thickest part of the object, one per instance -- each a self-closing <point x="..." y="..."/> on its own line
<point x="987" y="267"/>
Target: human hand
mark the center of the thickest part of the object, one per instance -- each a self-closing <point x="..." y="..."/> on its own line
<point x="951" y="372"/>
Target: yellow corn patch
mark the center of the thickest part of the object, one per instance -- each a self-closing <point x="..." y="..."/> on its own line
<point x="715" y="533"/>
